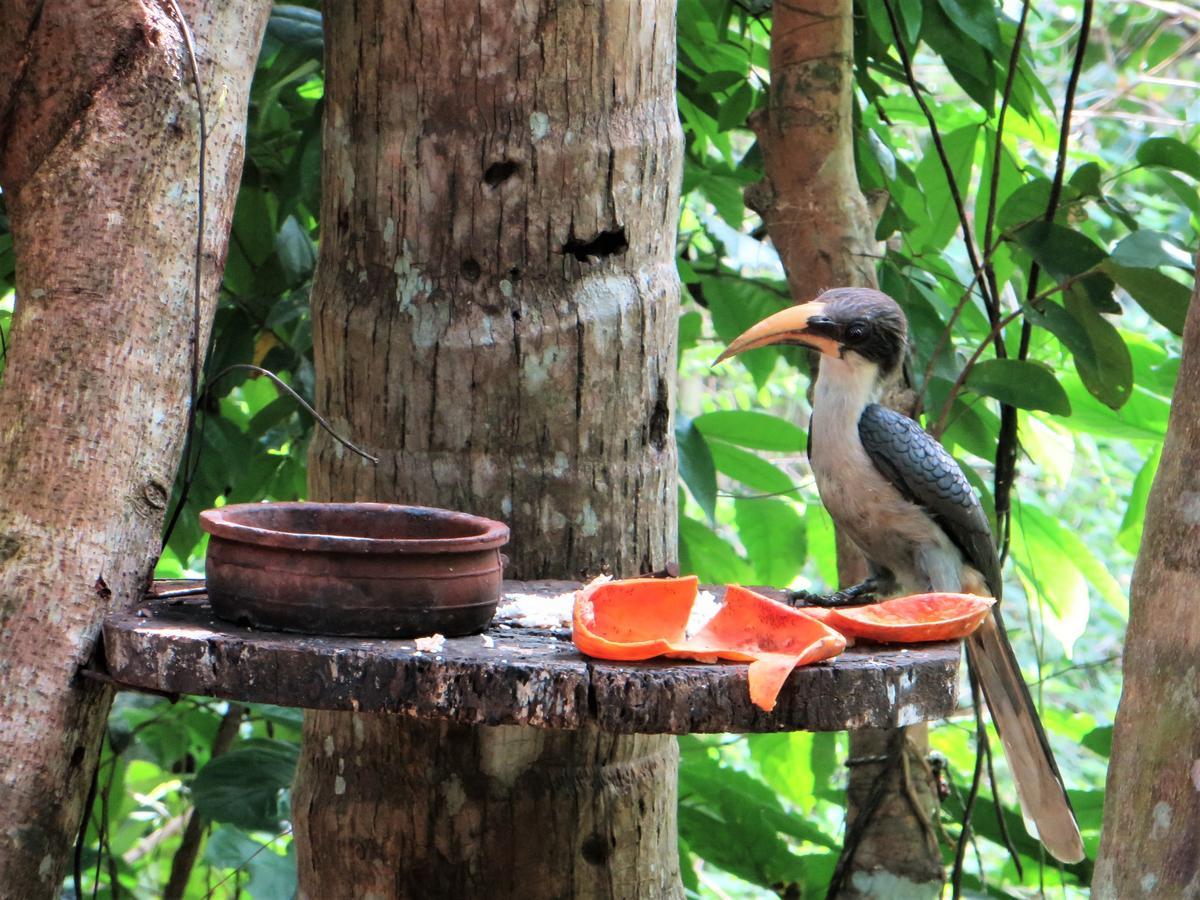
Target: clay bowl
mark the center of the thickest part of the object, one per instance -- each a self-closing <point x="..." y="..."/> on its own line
<point x="365" y="569"/>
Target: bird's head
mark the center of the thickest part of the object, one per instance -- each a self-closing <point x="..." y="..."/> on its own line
<point x="857" y="325"/>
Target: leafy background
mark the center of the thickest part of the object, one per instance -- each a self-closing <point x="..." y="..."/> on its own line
<point x="763" y="815"/>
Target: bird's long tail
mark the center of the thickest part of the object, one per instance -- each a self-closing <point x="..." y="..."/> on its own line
<point x="1043" y="797"/>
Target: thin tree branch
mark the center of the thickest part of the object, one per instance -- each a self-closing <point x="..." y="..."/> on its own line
<point x="990" y="302"/>
<point x="189" y="845"/>
<point x="1006" y="445"/>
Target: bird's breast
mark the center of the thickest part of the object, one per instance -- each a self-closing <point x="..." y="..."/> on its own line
<point x="891" y="531"/>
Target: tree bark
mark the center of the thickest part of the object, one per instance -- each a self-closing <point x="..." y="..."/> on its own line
<point x="495" y="317"/>
<point x="99" y="141"/>
<point x="1150" y="843"/>
<point x="823" y="229"/>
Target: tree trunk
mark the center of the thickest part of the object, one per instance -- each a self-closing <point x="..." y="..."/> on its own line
<point x="823" y="229"/>
<point x="495" y="317"/>
<point x="1150" y="843"/>
<point x="98" y="156"/>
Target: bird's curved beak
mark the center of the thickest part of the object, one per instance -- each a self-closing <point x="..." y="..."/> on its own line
<point x="805" y="324"/>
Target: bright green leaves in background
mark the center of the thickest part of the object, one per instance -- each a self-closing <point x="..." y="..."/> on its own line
<point x="763" y="816"/>
<point x="1092" y="384"/>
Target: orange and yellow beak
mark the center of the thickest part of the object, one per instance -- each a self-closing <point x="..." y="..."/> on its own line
<point x="804" y="324"/>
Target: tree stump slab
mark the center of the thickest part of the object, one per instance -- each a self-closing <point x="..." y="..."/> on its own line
<point x="517" y="674"/>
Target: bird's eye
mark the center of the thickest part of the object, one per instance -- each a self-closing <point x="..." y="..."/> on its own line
<point x="857" y="331"/>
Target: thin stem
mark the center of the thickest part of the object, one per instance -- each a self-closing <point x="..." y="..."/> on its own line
<point x="1014" y="61"/>
<point x="990" y="302"/>
<point x="1007" y="442"/>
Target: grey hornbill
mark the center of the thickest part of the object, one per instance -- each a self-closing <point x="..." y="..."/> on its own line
<point x="899" y="496"/>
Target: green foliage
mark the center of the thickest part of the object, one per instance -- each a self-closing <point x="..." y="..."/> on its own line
<point x="763" y="816"/>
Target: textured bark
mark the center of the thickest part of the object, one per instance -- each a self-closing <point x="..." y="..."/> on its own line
<point x="823" y="229"/>
<point x="98" y="154"/>
<point x="536" y="814"/>
<point x="1150" y="843"/>
<point x="518" y="676"/>
<point x="810" y="201"/>
<point x="495" y="317"/>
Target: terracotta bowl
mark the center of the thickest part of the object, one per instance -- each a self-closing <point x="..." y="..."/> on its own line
<point x="366" y="569"/>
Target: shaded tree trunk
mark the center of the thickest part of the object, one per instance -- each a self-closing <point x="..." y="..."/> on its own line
<point x="99" y="140"/>
<point x="823" y="229"/>
<point x="495" y="317"/>
<point x="1150" y="843"/>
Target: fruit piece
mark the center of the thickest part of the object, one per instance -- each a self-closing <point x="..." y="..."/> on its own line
<point x="772" y="637"/>
<point x="646" y="617"/>
<point x="920" y="617"/>
<point x="634" y="619"/>
<point x="820" y="613"/>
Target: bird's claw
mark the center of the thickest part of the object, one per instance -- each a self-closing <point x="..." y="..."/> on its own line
<point x="857" y="595"/>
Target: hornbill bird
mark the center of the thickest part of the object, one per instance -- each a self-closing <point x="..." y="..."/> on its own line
<point x="900" y="497"/>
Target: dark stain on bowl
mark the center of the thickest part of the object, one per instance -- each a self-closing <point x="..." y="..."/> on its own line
<point x="361" y="569"/>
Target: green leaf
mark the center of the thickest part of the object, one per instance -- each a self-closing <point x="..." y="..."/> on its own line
<point x="735" y="110"/>
<point x="1133" y="523"/>
<point x="756" y="430"/>
<point x="786" y="763"/>
<point x="911" y="14"/>
<point x="296" y="251"/>
<point x="1062" y="252"/>
<point x="1020" y="383"/>
<point x="718" y="802"/>
<point x="976" y="19"/>
<point x="696" y="465"/>
<point x="1171" y="154"/>
<point x="772" y="531"/>
<point x="702" y="552"/>
<point x="1099" y="740"/>
<point x="1101" y="357"/>
<point x="1025" y="205"/>
<point x="1075" y="553"/>
<point x="719" y="81"/>
<point x="749" y="468"/>
<point x="735" y="304"/>
<point x="271" y="874"/>
<point x="970" y="64"/>
<point x="941" y="223"/>
<point x="1086" y="180"/>
<point x="1143" y="417"/>
<point x="690" y="324"/>
<point x="1164" y="298"/>
<point x="242" y="787"/>
<point x="1051" y="579"/>
<point x="822" y="542"/>
<point x="1150" y="249"/>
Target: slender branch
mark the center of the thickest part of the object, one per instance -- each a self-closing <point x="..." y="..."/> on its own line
<point x="1033" y="303"/>
<point x="991" y="303"/>
<point x="964" y="836"/>
<point x="1006" y="445"/>
<point x="189" y="845"/>
<point x="1014" y="61"/>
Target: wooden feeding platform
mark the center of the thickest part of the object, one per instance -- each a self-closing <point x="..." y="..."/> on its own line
<point x="515" y="674"/>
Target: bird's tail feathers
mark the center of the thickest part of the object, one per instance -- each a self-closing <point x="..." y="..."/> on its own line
<point x="1044" y="802"/>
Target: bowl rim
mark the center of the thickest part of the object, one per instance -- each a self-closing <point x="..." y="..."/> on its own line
<point x="223" y="522"/>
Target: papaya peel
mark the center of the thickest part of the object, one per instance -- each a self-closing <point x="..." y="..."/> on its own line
<point x="643" y="618"/>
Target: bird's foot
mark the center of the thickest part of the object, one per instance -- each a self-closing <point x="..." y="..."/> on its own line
<point x="855" y="595"/>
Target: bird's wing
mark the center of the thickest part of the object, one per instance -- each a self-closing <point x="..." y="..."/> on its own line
<point x="925" y="474"/>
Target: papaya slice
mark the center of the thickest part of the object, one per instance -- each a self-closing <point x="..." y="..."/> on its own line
<point x="913" y="619"/>
<point x="637" y="618"/>
<point x="772" y="637"/>
<point x="642" y="618"/>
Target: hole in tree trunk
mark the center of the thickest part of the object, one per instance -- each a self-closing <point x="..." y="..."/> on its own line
<point x="470" y="270"/>
<point x="606" y="243"/>
<point x="499" y="172"/>
<point x="595" y="849"/>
